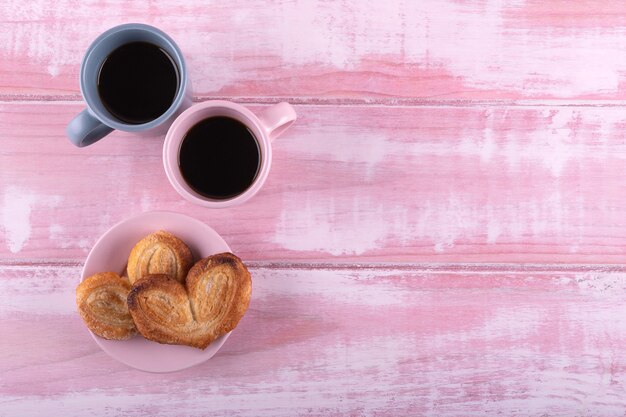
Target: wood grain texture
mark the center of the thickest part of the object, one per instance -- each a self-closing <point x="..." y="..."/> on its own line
<point x="350" y="183"/>
<point x="446" y="134"/>
<point x="341" y="341"/>
<point x="437" y="49"/>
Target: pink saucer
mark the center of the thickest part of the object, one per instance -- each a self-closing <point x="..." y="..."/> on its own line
<point x="110" y="253"/>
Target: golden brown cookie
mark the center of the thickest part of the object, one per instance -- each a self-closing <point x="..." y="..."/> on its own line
<point x="214" y="298"/>
<point x="101" y="301"/>
<point x="159" y="253"/>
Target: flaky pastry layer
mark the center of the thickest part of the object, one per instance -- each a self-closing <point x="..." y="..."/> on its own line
<point x="212" y="301"/>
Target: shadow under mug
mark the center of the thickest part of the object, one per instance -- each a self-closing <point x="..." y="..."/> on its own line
<point x="265" y="127"/>
<point x="95" y="122"/>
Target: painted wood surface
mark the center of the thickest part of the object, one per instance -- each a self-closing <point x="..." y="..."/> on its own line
<point x="349" y="49"/>
<point x="348" y="183"/>
<point x="442" y="232"/>
<point x="444" y="341"/>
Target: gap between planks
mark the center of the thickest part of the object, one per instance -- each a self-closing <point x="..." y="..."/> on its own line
<point x="445" y="268"/>
<point x="355" y="102"/>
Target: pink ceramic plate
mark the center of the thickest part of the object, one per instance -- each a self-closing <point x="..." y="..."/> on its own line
<point x="110" y="253"/>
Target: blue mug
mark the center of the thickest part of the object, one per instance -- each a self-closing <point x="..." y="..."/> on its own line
<point x="95" y="122"/>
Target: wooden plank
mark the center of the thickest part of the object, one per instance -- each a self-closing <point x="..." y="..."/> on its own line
<point x="349" y="183"/>
<point x="437" y="49"/>
<point x="342" y="341"/>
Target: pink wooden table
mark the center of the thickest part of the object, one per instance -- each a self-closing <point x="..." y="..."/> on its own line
<point x="443" y="232"/>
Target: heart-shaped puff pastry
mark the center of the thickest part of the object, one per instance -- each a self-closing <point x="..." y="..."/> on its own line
<point x="101" y="301"/>
<point x="159" y="253"/>
<point x="213" y="299"/>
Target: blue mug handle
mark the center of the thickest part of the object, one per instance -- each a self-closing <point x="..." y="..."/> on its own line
<point x="85" y="129"/>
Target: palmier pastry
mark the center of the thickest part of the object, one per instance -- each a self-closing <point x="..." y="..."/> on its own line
<point x="213" y="299"/>
<point x="101" y="301"/>
<point x="159" y="253"/>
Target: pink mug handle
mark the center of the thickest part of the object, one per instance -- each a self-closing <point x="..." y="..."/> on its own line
<point x="277" y="119"/>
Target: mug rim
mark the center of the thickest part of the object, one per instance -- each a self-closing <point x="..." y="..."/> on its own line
<point x="181" y="126"/>
<point x="113" y="122"/>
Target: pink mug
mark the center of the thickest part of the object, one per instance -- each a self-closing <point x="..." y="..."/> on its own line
<point x="271" y="123"/>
